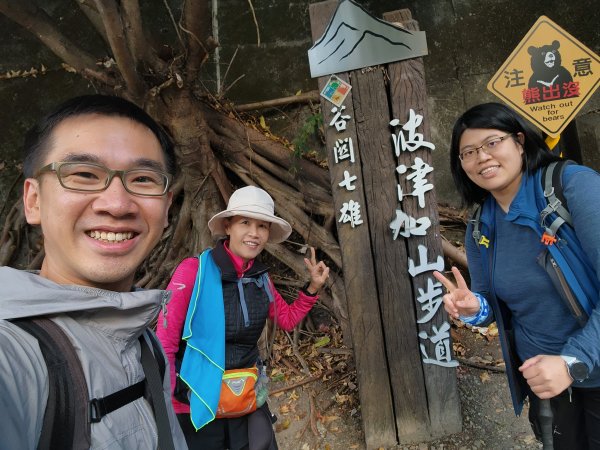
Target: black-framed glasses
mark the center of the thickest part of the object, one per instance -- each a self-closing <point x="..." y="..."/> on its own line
<point x="489" y="146"/>
<point x="92" y="177"/>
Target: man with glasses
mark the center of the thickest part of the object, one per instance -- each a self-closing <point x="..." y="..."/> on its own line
<point x="98" y="177"/>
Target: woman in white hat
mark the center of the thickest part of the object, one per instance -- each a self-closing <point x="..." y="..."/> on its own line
<point x="211" y="326"/>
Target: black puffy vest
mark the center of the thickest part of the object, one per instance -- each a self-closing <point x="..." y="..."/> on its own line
<point x="241" y="338"/>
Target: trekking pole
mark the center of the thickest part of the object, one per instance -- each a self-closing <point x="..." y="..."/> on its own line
<point x="546" y="428"/>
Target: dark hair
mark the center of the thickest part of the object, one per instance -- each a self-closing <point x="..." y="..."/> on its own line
<point x="499" y="117"/>
<point x="38" y="139"/>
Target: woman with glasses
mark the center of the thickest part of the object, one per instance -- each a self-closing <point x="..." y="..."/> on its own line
<point x="523" y="280"/>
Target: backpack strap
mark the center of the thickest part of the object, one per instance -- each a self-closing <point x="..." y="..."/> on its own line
<point x="100" y="407"/>
<point x="476" y="221"/>
<point x="157" y="398"/>
<point x="157" y="351"/>
<point x="66" y="422"/>
<point x="69" y="411"/>
<point x="552" y="185"/>
<point x="262" y="282"/>
<point x="267" y="286"/>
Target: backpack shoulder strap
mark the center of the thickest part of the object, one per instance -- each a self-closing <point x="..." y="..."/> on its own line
<point x="266" y="281"/>
<point x="69" y="410"/>
<point x="157" y="351"/>
<point x="553" y="191"/>
<point x="100" y="407"/>
<point x="476" y="221"/>
<point x="155" y="387"/>
<point x="66" y="422"/>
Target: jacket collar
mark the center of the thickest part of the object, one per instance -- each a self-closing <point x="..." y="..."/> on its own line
<point x="230" y="268"/>
<point x="524" y="206"/>
<point x="123" y="315"/>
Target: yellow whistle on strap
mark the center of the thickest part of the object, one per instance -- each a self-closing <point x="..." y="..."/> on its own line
<point x="552" y="141"/>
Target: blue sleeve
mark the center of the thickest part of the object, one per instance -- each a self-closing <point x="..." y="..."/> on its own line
<point x="483" y="315"/>
<point x="582" y="193"/>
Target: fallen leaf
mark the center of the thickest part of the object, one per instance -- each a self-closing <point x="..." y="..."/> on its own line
<point x="488" y="358"/>
<point x="68" y="68"/>
<point x="459" y="349"/>
<point x="342" y="398"/>
<point x="283" y="425"/>
<point x="278" y="377"/>
<point x="480" y="330"/>
<point x="327" y="419"/>
<point x="263" y="123"/>
<point x="322" y="341"/>
<point x="485" y="377"/>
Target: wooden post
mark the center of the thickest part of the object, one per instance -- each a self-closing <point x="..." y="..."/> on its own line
<point x="408" y="91"/>
<point x="359" y="275"/>
<point x="407" y="382"/>
<point x="390" y="256"/>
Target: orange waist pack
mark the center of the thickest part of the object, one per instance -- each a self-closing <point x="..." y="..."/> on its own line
<point x="238" y="393"/>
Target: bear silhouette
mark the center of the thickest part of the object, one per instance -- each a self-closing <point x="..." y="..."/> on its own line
<point x="547" y="68"/>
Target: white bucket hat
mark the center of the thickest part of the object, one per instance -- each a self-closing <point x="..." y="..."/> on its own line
<point x="253" y="202"/>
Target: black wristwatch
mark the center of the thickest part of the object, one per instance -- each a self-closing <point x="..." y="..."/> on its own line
<point x="577" y="370"/>
<point x="305" y="290"/>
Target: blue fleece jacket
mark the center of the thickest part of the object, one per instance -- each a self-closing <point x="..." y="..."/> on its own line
<point x="532" y="317"/>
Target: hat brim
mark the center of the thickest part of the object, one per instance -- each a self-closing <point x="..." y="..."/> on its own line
<point x="279" y="231"/>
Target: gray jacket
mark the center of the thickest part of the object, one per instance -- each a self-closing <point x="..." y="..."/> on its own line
<point x="104" y="327"/>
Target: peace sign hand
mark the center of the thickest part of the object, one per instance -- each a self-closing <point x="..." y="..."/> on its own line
<point x="459" y="301"/>
<point x="319" y="272"/>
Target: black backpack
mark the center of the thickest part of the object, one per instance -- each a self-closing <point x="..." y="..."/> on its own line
<point x="69" y="411"/>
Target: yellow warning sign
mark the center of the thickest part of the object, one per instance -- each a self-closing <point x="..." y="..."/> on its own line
<point x="548" y="77"/>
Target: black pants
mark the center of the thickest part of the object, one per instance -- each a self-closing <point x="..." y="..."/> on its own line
<point x="251" y="432"/>
<point x="575" y="419"/>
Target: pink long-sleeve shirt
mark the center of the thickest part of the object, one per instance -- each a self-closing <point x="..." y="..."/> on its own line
<point x="170" y="324"/>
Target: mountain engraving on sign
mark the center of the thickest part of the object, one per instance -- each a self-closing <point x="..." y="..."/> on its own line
<point x="354" y="39"/>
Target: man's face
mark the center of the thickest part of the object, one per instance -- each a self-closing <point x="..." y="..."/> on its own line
<point x="76" y="225"/>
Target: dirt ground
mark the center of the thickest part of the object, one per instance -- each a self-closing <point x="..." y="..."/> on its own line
<point x="326" y="414"/>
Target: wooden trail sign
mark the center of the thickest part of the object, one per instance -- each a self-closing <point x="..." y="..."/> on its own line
<point x="390" y="244"/>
